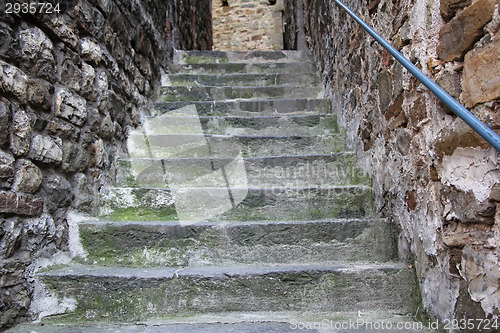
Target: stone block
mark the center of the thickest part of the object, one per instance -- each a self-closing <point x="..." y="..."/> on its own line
<point x="11" y="232"/>
<point x="449" y="7"/>
<point x="6" y="169"/>
<point x="481" y="75"/>
<point x="39" y="93"/>
<point x="20" y="138"/>
<point x="28" y="177"/>
<point x="90" y="51"/>
<point x="75" y="158"/>
<point x="12" y="203"/>
<point x="70" y="106"/>
<point x="13" y="81"/>
<point x="459" y="35"/>
<point x="46" y="150"/>
<point x="4" y="123"/>
<point x="57" y="192"/>
<point x="37" y="52"/>
<point x="83" y="193"/>
<point x="63" y="27"/>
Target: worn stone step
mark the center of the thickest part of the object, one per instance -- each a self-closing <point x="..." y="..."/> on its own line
<point x="245" y="79"/>
<point x="207" y="57"/>
<point x="209" y="93"/>
<point x="161" y="146"/>
<point x="125" y="294"/>
<point x="250" y="108"/>
<point x="268" y="172"/>
<point x="169" y="243"/>
<point x="228" y="68"/>
<point x="235" y="202"/>
<point x="236" y="125"/>
<point x="248" y="322"/>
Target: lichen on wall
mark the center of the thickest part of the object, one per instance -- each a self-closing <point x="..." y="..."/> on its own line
<point x="432" y="174"/>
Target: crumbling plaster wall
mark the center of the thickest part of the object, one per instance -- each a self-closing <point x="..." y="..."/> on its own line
<point x="433" y="176"/>
<point x="71" y="86"/>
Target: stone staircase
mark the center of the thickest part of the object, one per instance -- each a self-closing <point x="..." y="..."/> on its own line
<point x="239" y="205"/>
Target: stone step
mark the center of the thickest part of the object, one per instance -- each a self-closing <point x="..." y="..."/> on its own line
<point x="236" y="202"/>
<point x="268" y="172"/>
<point x="129" y="294"/>
<point x="249" y="322"/>
<point x="236" y="125"/>
<point x="245" y="57"/>
<point x="250" y="108"/>
<point x="210" y="93"/>
<point x="246" y="79"/>
<point x="168" y="243"/>
<point x="227" y="68"/>
<point x="161" y="146"/>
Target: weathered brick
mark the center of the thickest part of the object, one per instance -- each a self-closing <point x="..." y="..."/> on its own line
<point x="481" y="76"/>
<point x="13" y="203"/>
<point x="459" y="35"/>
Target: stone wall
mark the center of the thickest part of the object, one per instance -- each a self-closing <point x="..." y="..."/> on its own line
<point x="72" y="84"/>
<point x="433" y="176"/>
<point x="242" y="25"/>
<point x="193" y="24"/>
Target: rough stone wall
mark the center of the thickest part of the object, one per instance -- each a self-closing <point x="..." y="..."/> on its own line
<point x="432" y="174"/>
<point x="242" y="25"/>
<point x="193" y="25"/>
<point x="71" y="86"/>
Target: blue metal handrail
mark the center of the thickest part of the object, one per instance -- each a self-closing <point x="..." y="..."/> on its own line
<point x="476" y="124"/>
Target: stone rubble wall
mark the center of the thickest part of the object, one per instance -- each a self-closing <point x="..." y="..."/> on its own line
<point x="71" y="86"/>
<point x="436" y="178"/>
<point x="247" y="25"/>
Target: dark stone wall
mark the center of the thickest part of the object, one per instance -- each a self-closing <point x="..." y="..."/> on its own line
<point x="71" y="86"/>
<point x="194" y="24"/>
<point x="433" y="176"/>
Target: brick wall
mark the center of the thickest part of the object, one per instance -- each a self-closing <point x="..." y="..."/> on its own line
<point x="433" y="176"/>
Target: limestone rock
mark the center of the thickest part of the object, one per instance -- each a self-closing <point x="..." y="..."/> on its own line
<point x="28" y="177"/>
<point x="83" y="193"/>
<point x="57" y="192"/>
<point x="70" y="106"/>
<point x="459" y="35"/>
<point x="46" y="150"/>
<point x="37" y="52"/>
<point x="107" y="127"/>
<point x="74" y="158"/>
<point x="13" y="81"/>
<point x="4" y="123"/>
<point x="450" y="7"/>
<point x="38" y="93"/>
<point x="90" y="51"/>
<point x="10" y="239"/>
<point x="6" y="169"/>
<point x="20" y="138"/>
<point x="481" y="74"/>
<point x="13" y="203"/>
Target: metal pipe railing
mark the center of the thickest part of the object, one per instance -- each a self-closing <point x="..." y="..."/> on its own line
<point x="487" y="133"/>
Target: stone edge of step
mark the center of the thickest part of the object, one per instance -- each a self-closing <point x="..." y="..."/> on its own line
<point x="167" y="273"/>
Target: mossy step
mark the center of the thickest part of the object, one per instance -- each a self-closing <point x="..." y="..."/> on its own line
<point x="250" y="108"/>
<point x="127" y="294"/>
<point x="236" y="125"/>
<point x="227" y="68"/>
<point x="168" y="243"/>
<point x="277" y="171"/>
<point x="203" y="57"/>
<point x="236" y="203"/>
<point x="160" y="146"/>
<point x="210" y="93"/>
<point x="241" y="79"/>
